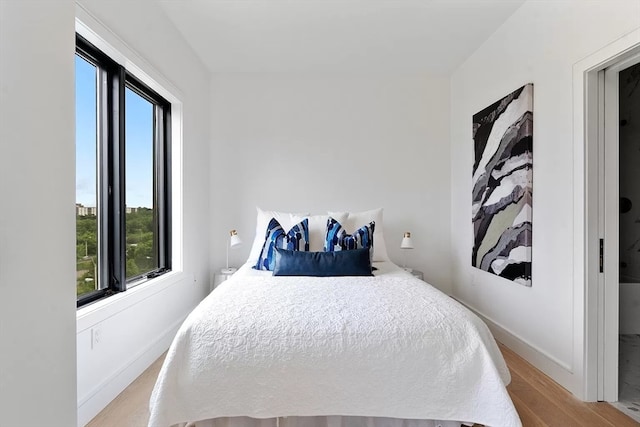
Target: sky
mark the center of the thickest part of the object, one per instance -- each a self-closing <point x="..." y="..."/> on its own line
<point x="138" y="142"/>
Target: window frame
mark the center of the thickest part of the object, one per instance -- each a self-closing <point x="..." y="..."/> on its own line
<point x="112" y="81"/>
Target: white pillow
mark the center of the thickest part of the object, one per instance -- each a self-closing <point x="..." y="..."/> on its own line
<point x="351" y="221"/>
<point x="286" y="220"/>
<point x="317" y="232"/>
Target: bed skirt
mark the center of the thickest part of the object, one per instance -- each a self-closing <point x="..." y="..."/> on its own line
<point x="320" y="421"/>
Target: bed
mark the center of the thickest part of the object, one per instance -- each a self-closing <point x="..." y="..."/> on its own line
<point x="299" y="351"/>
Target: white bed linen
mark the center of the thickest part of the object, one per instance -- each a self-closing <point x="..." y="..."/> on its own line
<point x="327" y="421"/>
<point x="384" y="346"/>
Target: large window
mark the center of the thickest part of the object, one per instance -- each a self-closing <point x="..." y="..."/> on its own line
<point x="123" y="234"/>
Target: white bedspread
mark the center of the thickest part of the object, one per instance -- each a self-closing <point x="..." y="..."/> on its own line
<point x="384" y="346"/>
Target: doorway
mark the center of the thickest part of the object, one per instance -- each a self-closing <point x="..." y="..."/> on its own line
<point x="612" y="256"/>
<point x="629" y="240"/>
<point x="596" y="236"/>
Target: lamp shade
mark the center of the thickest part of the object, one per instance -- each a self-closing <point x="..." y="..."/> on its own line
<point x="234" y="239"/>
<point x="406" y="241"/>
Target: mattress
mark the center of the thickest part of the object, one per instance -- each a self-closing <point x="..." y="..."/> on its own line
<point x="387" y="346"/>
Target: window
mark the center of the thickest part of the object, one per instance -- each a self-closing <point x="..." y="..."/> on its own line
<point x="123" y="233"/>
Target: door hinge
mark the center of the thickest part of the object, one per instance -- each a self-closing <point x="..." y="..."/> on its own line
<point x="601" y="255"/>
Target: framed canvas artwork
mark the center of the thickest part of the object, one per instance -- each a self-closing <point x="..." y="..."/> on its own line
<point x="503" y="187"/>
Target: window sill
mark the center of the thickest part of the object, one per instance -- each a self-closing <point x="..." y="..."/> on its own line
<point x="104" y="308"/>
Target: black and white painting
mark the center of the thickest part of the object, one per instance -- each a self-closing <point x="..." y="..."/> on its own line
<point x="502" y="186"/>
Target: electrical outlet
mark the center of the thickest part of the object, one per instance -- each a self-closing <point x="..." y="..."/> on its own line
<point x="96" y="336"/>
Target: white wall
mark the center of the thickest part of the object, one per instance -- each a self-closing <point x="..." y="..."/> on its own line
<point x="37" y="278"/>
<point x="539" y="43"/>
<point x="137" y="326"/>
<point x="318" y="142"/>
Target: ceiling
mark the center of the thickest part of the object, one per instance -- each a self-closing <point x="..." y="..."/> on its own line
<point x="433" y="36"/>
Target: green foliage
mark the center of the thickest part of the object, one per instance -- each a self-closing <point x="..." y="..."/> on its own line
<point x="140" y="247"/>
<point x="85" y="286"/>
<point x="86" y="236"/>
<point x="140" y="242"/>
<point x="132" y="268"/>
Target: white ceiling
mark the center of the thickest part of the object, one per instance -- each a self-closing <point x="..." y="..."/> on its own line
<point x="433" y="36"/>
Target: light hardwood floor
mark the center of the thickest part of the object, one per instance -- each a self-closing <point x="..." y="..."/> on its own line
<point x="537" y="398"/>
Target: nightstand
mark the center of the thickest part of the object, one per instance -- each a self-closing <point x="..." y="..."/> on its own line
<point x="220" y="277"/>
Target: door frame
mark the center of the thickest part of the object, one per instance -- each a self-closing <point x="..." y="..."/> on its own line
<point x="595" y="213"/>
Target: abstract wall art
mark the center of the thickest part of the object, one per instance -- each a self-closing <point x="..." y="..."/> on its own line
<point x="503" y="187"/>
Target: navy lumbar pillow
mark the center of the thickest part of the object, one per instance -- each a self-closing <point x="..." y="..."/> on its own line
<point x="296" y="239"/>
<point x="355" y="262"/>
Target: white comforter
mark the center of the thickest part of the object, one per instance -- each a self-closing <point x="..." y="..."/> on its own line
<point x="383" y="346"/>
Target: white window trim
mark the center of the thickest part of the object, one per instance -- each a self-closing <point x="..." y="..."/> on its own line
<point x="109" y="43"/>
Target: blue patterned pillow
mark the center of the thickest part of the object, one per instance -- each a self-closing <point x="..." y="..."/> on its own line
<point x="337" y="238"/>
<point x="296" y="239"/>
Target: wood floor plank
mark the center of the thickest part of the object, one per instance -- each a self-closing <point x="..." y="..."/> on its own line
<point x="615" y="417"/>
<point x="583" y="413"/>
<point x="130" y="408"/>
<point x="527" y="416"/>
<point x="545" y="408"/>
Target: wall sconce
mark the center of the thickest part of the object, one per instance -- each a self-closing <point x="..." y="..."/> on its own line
<point x="234" y="242"/>
<point x="406" y="244"/>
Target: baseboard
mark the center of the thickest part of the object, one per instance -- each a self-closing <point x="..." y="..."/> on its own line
<point x="111" y="387"/>
<point x="557" y="370"/>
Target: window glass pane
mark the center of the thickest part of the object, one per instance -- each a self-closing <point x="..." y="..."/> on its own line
<point x="140" y="220"/>
<point x="86" y="176"/>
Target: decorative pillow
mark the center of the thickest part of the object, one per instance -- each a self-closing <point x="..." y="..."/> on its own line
<point x="296" y="239"/>
<point x="353" y="220"/>
<point x="356" y="262"/>
<point x="337" y="238"/>
<point x="286" y="219"/>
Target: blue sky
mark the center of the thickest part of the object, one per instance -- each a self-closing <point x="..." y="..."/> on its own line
<point x="139" y="142"/>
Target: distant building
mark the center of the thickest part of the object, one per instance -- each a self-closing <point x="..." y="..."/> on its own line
<point x="82" y="210"/>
